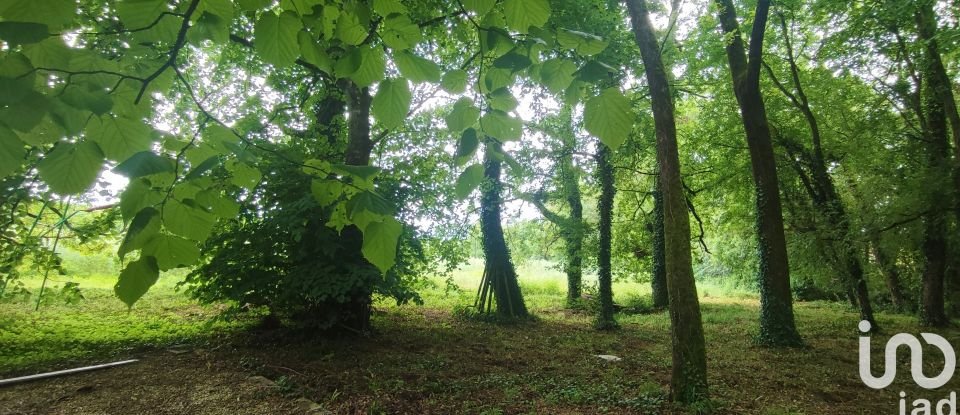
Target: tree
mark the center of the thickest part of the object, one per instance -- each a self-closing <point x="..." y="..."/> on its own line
<point x="572" y="227"/>
<point x="605" y="319"/>
<point x="689" y="380"/>
<point x="777" y="326"/>
<point x="819" y="184"/>
<point x="499" y="276"/>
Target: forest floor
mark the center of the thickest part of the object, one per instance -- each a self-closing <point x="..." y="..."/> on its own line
<point x="425" y="360"/>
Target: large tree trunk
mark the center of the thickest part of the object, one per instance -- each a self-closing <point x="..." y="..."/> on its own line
<point x="689" y="380"/>
<point x="359" y="145"/>
<point x="499" y="275"/>
<point x="605" y="320"/>
<point x="939" y="81"/>
<point x="573" y="232"/>
<point x="934" y="247"/>
<point x="777" y="325"/>
<point x="658" y="284"/>
<point x="891" y="274"/>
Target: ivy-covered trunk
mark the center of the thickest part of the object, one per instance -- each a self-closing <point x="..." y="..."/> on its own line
<point x="499" y="275"/>
<point x="605" y="320"/>
<point x="573" y="231"/>
<point x="891" y="274"/>
<point x="934" y="246"/>
<point x="689" y="380"/>
<point x="777" y="325"/>
<point x="658" y="283"/>
<point x="942" y="88"/>
<point x="356" y="313"/>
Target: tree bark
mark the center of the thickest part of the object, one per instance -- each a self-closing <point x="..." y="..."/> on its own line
<point x="689" y="380"/>
<point x="498" y="271"/>
<point x="934" y="246"/>
<point x="942" y="86"/>
<point x="658" y="284"/>
<point x="359" y="146"/>
<point x="574" y="232"/>
<point x="605" y="320"/>
<point x="777" y="325"/>
<point x="891" y="274"/>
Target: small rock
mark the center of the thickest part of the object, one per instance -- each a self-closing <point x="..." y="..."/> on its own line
<point x="608" y="357"/>
<point x="261" y="382"/>
<point x="309" y="406"/>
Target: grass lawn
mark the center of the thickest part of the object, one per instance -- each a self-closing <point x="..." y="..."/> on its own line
<point x="423" y="359"/>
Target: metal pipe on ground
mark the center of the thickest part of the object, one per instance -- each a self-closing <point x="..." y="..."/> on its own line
<point x="13" y="381"/>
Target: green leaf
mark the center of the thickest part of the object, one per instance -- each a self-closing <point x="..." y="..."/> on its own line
<point x="137" y="14"/>
<point x="350" y="29"/>
<point x="139" y="194"/>
<point x="366" y="207"/>
<point x="557" y="74"/>
<point x="495" y="42"/>
<point x="463" y="115"/>
<point x="501" y="126"/>
<point x="197" y="171"/>
<point x="480" y="7"/>
<point x="400" y="33"/>
<point x="595" y="71"/>
<point x="455" y="81"/>
<point x="512" y="61"/>
<point x="469" y="180"/>
<point x="253" y="4"/>
<point x="610" y="117"/>
<point x="380" y="243"/>
<point x="144" y="163"/>
<point x="220" y="137"/>
<point x="53" y="13"/>
<point x="585" y="44"/>
<point x="276" y="38"/>
<point x="144" y="226"/>
<point x="22" y="33"/>
<point x="27" y="113"/>
<point x="71" y="168"/>
<point x="373" y="64"/>
<point x="119" y="137"/>
<point x="368" y="201"/>
<point x="495" y="79"/>
<point x="12" y="152"/>
<point x="243" y="175"/>
<point x="387" y="7"/>
<point x="49" y="53"/>
<point x="313" y="54"/>
<point x="87" y="98"/>
<point x="365" y="173"/>
<point x="348" y="63"/>
<point x="136" y="279"/>
<point x="392" y="102"/>
<point x="223" y="207"/>
<point x="521" y="14"/>
<point x="171" y="251"/>
<point x="415" y="68"/>
<point x="502" y="100"/>
<point x="187" y="219"/>
<point x="467" y="146"/>
<point x="210" y="27"/>
<point x="325" y="192"/>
